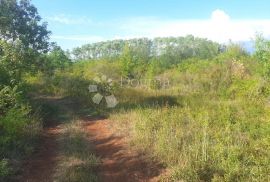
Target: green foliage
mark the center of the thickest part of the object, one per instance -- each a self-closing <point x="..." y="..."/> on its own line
<point x="24" y="38"/>
<point x="177" y="48"/>
<point x="5" y="76"/>
<point x="4" y="169"/>
<point x="234" y="51"/>
<point x="127" y="63"/>
<point x="211" y="124"/>
<point x="11" y="61"/>
<point x="262" y="48"/>
<point x="18" y="132"/>
<point x="190" y="139"/>
<point x="19" y="21"/>
<point x="56" y="59"/>
<point x="217" y="130"/>
<point x="9" y="98"/>
<point x="155" y="67"/>
<point x="19" y="128"/>
<point x="15" y="61"/>
<point x="262" y="53"/>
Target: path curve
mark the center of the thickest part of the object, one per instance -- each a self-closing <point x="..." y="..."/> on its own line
<point x="118" y="162"/>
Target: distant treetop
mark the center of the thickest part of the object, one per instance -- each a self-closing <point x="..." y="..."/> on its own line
<point x="183" y="47"/>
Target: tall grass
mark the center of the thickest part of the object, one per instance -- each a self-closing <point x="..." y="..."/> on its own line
<point x="218" y="131"/>
<point x="212" y="124"/>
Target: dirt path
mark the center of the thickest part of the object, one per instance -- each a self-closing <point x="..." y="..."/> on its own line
<point x="40" y="167"/>
<point x="118" y="163"/>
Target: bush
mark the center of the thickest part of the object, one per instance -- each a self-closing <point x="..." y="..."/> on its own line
<point x="9" y="97"/>
<point x="4" y="169"/>
<point x="19" y="128"/>
<point x="19" y="131"/>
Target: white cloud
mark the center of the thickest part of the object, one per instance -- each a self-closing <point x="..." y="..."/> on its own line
<point x="219" y="15"/>
<point x="69" y="20"/>
<point x="219" y="27"/>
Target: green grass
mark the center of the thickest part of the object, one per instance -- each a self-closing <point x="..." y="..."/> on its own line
<point x="203" y="143"/>
<point x="211" y="124"/>
<point x="218" y="131"/>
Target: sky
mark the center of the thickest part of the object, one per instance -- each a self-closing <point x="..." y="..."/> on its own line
<point x="77" y="22"/>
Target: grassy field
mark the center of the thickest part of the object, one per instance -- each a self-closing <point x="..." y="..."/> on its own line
<point x="196" y="107"/>
<point x="210" y="124"/>
<point x="217" y="128"/>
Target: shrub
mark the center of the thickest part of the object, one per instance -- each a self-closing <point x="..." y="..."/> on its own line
<point x="19" y="131"/>
<point x="9" y="97"/>
<point x="4" y="170"/>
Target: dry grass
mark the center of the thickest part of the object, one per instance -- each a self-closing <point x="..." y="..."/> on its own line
<point x="77" y="159"/>
<point x="218" y="133"/>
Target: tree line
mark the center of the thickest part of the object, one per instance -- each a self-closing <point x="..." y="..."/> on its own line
<point x="178" y="47"/>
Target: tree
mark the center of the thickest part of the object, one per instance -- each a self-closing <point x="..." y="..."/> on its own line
<point x="235" y="51"/>
<point x="19" y="21"/>
<point x="12" y="60"/>
<point x="262" y="53"/>
<point x="262" y="48"/>
<point x="57" y="58"/>
<point x="23" y="37"/>
<point x="127" y="62"/>
<point x="143" y="49"/>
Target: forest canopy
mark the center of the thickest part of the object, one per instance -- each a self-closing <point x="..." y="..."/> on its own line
<point x="179" y="47"/>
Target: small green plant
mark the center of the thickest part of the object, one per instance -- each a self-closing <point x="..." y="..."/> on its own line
<point x="5" y="170"/>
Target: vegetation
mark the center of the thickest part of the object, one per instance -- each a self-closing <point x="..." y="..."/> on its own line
<point x="210" y="122"/>
<point x="216" y="131"/>
<point x="24" y="50"/>
<point x="77" y="161"/>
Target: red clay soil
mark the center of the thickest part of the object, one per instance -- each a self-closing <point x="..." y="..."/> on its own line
<point x="40" y="167"/>
<point x="118" y="163"/>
